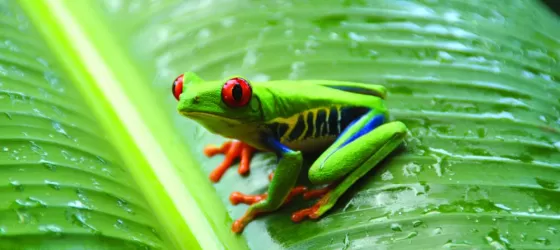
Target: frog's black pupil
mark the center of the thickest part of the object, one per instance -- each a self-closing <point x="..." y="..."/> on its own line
<point x="237" y="92"/>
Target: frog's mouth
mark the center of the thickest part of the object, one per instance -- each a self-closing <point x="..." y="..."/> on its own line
<point x="204" y="117"/>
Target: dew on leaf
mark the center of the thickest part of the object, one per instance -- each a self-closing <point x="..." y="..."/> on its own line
<point x="25" y="217"/>
<point x="542" y="241"/>
<point x="53" y="184"/>
<point x="396" y="227"/>
<point x="49" y="166"/>
<point x="346" y="242"/>
<point x="29" y="202"/>
<point x="51" y="229"/>
<point x="120" y="224"/>
<point x="411" y="235"/>
<point x="497" y="240"/>
<point x="77" y="204"/>
<point x="417" y="223"/>
<point x="81" y="219"/>
<point x="124" y="205"/>
<point x="17" y="186"/>
<point x="386" y="176"/>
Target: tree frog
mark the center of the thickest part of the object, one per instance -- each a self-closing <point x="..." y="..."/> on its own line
<point x="346" y="122"/>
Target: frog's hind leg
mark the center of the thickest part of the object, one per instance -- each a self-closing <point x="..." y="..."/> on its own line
<point x="362" y="146"/>
<point x="249" y="199"/>
<point x="232" y="150"/>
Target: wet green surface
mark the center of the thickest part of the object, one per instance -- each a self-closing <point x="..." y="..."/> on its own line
<point x="477" y="84"/>
<point x="61" y="184"/>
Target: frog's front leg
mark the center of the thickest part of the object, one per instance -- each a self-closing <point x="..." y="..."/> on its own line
<point x="231" y="149"/>
<point x="285" y="177"/>
<point x="357" y="150"/>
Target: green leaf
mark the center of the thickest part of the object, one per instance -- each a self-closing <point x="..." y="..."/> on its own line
<point x="477" y="84"/>
<point x="63" y="185"/>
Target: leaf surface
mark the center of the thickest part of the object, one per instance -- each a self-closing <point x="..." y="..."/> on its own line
<point x="475" y="82"/>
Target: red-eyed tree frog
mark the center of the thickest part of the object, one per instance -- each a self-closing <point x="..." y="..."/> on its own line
<point x="346" y="121"/>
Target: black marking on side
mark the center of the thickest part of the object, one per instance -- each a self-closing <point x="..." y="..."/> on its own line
<point x="347" y="115"/>
<point x="350" y="114"/>
<point x="278" y="130"/>
<point x="320" y="123"/>
<point x="311" y="127"/>
<point x="298" y="128"/>
<point x="332" y="123"/>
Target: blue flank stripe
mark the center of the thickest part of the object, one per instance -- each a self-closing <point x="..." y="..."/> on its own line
<point x="279" y="148"/>
<point x="375" y="122"/>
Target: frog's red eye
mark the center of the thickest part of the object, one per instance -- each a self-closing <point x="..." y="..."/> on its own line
<point x="236" y="92"/>
<point x="177" y="88"/>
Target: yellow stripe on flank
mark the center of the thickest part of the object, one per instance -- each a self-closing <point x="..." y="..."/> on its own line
<point x="328" y="111"/>
<point x="290" y="121"/>
<point x="314" y="122"/>
<point x="338" y="119"/>
<point x="306" y="126"/>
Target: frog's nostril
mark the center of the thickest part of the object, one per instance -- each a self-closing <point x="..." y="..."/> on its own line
<point x="196" y="99"/>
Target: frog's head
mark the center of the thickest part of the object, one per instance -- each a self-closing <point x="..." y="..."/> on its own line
<point x="223" y="107"/>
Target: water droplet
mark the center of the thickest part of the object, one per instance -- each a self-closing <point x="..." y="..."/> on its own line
<point x="417" y="223"/>
<point x="444" y="56"/>
<point x="387" y="176"/>
<point x="38" y="149"/>
<point x="95" y="183"/>
<point x="58" y="128"/>
<point x="17" y="186"/>
<point x="29" y="202"/>
<point x="80" y="218"/>
<point x="66" y="154"/>
<point x="552" y="230"/>
<point x="25" y="217"/>
<point x="124" y="205"/>
<point x="502" y="206"/>
<point x="548" y="184"/>
<point x="52" y="230"/>
<point x="437" y="231"/>
<point x="411" y="169"/>
<point x="5" y="149"/>
<point x="296" y="69"/>
<point x="49" y="166"/>
<point x="77" y="204"/>
<point x="121" y="225"/>
<point x="8" y="115"/>
<point x="497" y="240"/>
<point x="346" y="242"/>
<point x="523" y="236"/>
<point x="53" y="184"/>
<point x="396" y="227"/>
<point x="542" y="241"/>
<point x="411" y="235"/>
<point x="373" y="54"/>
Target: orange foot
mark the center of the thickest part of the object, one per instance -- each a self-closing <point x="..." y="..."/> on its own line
<point x="237" y="197"/>
<point x="232" y="149"/>
<point x="311" y="212"/>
